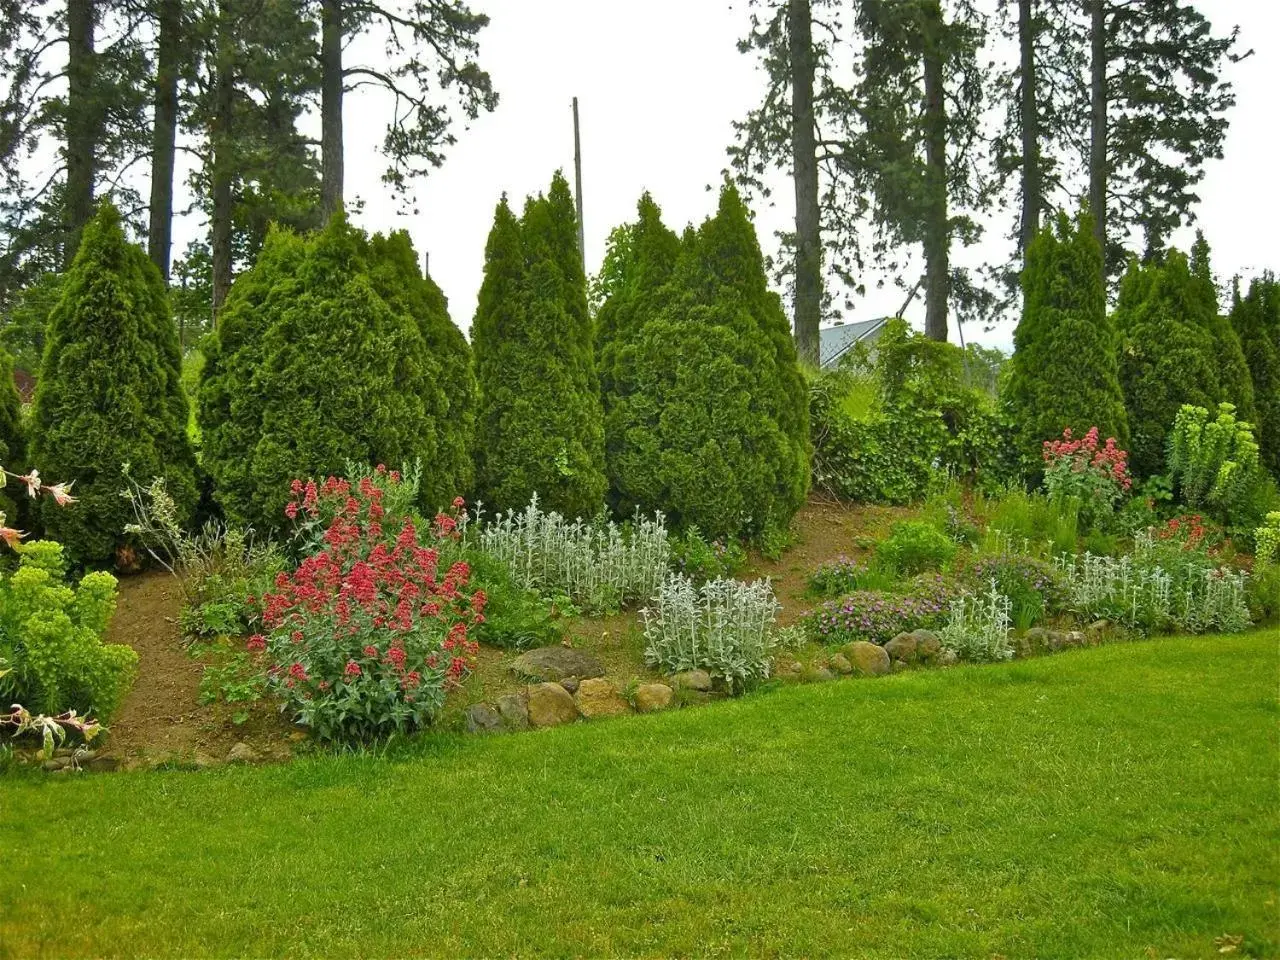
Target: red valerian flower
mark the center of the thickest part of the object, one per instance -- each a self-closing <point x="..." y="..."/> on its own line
<point x="352" y="669"/>
<point x="256" y="643"/>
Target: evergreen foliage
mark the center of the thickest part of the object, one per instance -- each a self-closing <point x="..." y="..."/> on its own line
<point x="1233" y="369"/>
<point x="13" y="441"/>
<point x="1064" y="372"/>
<point x="708" y="414"/>
<point x="1256" y="320"/>
<point x="110" y="392"/>
<point x="332" y="348"/>
<point x="540" y="415"/>
<point x="1166" y="356"/>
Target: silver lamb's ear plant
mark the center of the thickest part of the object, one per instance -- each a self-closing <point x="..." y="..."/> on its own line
<point x="979" y="627"/>
<point x="725" y="627"/>
<point x="600" y="566"/>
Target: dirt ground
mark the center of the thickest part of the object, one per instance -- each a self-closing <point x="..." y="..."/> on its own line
<point x="163" y="721"/>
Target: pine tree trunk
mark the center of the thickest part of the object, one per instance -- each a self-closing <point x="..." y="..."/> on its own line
<point x="331" y="172"/>
<point x="164" y="135"/>
<point x="223" y="163"/>
<point x="1030" y="118"/>
<point x="804" y="158"/>
<point x="81" y="124"/>
<point x="936" y="228"/>
<point x="1098" y="125"/>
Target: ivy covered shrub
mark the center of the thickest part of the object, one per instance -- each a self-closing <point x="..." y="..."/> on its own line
<point x="332" y="347"/>
<point x="1063" y="373"/>
<point x="1167" y="354"/>
<point x="1214" y="462"/>
<point x="110" y="392"/>
<point x="540" y="416"/>
<point x="707" y="417"/>
<point x="51" y="636"/>
<point x="926" y="423"/>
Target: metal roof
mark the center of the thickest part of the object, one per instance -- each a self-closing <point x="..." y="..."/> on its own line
<point x="834" y="342"/>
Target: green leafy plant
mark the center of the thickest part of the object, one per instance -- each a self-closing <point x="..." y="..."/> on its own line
<point x="723" y="626"/>
<point x="51" y="635"/>
<point x="1214" y="461"/>
<point x="878" y="616"/>
<point x="1033" y="587"/>
<point x="1091" y="475"/>
<point x="236" y="681"/>
<point x="1267" y="541"/>
<point x="702" y="559"/>
<point x="914" y="546"/>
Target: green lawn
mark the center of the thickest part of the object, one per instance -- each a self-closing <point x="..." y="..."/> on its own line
<point x="1115" y="802"/>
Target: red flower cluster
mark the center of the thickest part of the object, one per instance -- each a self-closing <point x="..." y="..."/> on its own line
<point x="1085" y="454"/>
<point x="374" y="625"/>
<point x="1190" y="531"/>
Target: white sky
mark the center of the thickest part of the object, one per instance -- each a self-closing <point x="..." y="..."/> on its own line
<point x="660" y="83"/>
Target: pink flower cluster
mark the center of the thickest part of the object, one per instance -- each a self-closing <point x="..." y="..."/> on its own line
<point x="1085" y="454"/>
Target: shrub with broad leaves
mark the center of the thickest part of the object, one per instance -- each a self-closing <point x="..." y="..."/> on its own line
<point x="367" y="635"/>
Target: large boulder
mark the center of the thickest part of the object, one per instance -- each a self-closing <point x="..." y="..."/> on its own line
<point x="550" y="705"/>
<point x="902" y="647"/>
<point x="698" y="680"/>
<point x="928" y="646"/>
<point x="482" y="718"/>
<point x="556" y="663"/>
<point x="868" y="659"/>
<point x="598" y="697"/>
<point x="514" y="710"/>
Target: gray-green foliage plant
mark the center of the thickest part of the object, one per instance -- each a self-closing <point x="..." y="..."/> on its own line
<point x="723" y="626"/>
<point x="540" y="413"/>
<point x="332" y="347"/>
<point x="978" y="627"/>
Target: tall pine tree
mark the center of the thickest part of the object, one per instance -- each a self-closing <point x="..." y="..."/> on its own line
<point x="110" y="392"/>
<point x="540" y="418"/>
<point x="1063" y="373"/>
<point x="1233" y="369"/>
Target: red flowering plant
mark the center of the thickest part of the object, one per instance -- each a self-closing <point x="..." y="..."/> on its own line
<point x="1190" y="531"/>
<point x="1093" y="474"/>
<point x="367" y="635"/>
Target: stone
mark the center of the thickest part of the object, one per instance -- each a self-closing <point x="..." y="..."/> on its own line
<point x="104" y="764"/>
<point x="902" y="647"/>
<point x="598" y="697"/>
<point x="1075" y="639"/>
<point x="1056" y="640"/>
<point x="652" y="697"/>
<point x="556" y="663"/>
<point x="818" y="674"/>
<point x="868" y="659"/>
<point x="1095" y="631"/>
<point x="898" y="666"/>
<point x="947" y="658"/>
<point x="550" y="705"/>
<point x="788" y="668"/>
<point x="698" y="680"/>
<point x="482" y="718"/>
<point x="570" y="684"/>
<point x="928" y="646"/>
<point x="242" y="753"/>
<point x="514" y="710"/>
<point x="841" y="665"/>
<point x="56" y="763"/>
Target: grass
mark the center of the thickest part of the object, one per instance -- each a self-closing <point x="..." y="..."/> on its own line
<point x="1112" y="802"/>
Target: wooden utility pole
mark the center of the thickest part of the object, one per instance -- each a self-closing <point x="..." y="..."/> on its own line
<point x="577" y="169"/>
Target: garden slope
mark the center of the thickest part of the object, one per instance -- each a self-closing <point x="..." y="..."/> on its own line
<point x="1103" y="802"/>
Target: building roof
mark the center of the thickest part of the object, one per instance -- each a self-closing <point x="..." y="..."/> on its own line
<point x="834" y="342"/>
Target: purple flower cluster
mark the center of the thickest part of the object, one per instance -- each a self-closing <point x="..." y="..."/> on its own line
<point x="1026" y="581"/>
<point x="878" y="616"/>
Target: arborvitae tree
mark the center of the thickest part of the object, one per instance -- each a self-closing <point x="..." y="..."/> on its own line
<point x="1256" y="319"/>
<point x="1064" y="371"/>
<point x="110" y="392"/>
<point x="714" y="431"/>
<point x="540" y="418"/>
<point x="1233" y="369"/>
<point x="318" y="359"/>
<point x="13" y="442"/>
<point x="1166" y="356"/>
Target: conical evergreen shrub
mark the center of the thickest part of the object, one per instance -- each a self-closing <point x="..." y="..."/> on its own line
<point x="1233" y="369"/>
<point x="540" y="422"/>
<point x="1256" y="320"/>
<point x="13" y="441"/>
<point x="708" y="417"/>
<point x="1063" y="373"/>
<point x="1166" y="355"/>
<point x="332" y="348"/>
<point x="110" y="393"/>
